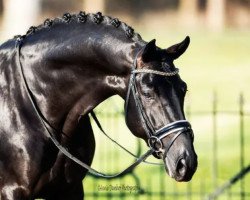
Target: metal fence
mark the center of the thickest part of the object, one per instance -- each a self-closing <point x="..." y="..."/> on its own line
<point x="221" y="142"/>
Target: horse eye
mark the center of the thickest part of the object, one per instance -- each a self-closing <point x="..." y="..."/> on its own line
<point x="147" y="94"/>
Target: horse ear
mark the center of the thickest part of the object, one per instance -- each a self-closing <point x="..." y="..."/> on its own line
<point x="149" y="52"/>
<point x="178" y="49"/>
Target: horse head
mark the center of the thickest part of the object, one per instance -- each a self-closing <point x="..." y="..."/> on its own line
<point x="154" y="108"/>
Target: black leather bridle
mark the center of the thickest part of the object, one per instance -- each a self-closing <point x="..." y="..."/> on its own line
<point x="154" y="138"/>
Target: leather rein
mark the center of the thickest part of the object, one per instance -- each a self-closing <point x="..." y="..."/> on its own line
<point x="154" y="137"/>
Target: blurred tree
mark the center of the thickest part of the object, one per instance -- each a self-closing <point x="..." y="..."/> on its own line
<point x="137" y="8"/>
<point x="202" y="5"/>
<point x="1" y="7"/>
<point x="91" y="6"/>
<point x="56" y="8"/>
<point x="18" y="15"/>
<point x="188" y="11"/>
<point x="241" y="1"/>
<point x="189" y="6"/>
<point x="216" y="14"/>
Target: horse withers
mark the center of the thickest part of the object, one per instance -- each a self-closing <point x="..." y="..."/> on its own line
<point x="55" y="75"/>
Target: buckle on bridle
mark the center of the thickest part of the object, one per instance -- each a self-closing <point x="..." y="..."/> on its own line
<point x="155" y="144"/>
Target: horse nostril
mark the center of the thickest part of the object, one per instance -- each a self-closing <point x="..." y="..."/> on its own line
<point x="181" y="168"/>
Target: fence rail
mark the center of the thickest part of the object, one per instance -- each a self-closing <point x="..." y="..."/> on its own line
<point x="221" y="146"/>
<point x="229" y="183"/>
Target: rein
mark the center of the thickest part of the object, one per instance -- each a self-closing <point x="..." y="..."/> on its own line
<point x="154" y="137"/>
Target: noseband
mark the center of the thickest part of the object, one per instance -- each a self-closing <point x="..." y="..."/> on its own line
<point x="155" y="137"/>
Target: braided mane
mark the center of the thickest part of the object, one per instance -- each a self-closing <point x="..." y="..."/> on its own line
<point x="81" y="18"/>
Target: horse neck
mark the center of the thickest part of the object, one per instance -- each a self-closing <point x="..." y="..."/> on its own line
<point x="73" y="75"/>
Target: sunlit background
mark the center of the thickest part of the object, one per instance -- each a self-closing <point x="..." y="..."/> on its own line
<point x="216" y="68"/>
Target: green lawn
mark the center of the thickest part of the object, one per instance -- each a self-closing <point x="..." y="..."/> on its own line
<point x="108" y="159"/>
<point x="214" y="63"/>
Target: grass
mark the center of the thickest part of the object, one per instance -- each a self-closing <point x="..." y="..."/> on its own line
<point x="228" y="158"/>
<point x="214" y="62"/>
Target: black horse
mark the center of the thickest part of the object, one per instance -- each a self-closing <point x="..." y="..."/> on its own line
<point x="65" y="68"/>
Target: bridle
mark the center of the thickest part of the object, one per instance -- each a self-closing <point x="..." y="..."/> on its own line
<point x="154" y="137"/>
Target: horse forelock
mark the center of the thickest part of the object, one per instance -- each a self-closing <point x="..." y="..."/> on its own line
<point x="81" y="18"/>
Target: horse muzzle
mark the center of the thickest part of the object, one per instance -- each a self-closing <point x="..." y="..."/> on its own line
<point x="180" y="159"/>
<point x="183" y="168"/>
